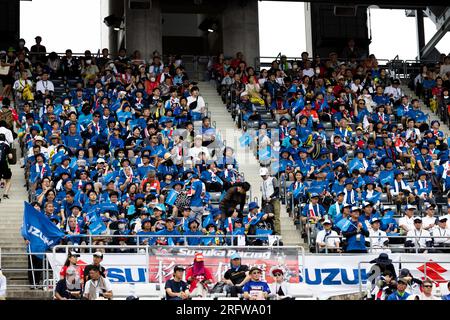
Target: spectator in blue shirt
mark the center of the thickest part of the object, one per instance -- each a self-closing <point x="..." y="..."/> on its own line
<point x="400" y="293"/>
<point x="356" y="233"/>
<point x="255" y="288"/>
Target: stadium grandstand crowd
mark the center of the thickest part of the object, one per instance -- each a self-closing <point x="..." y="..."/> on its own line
<point x="122" y="151"/>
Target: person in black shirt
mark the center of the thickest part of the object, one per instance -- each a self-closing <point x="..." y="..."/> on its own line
<point x="235" y="276"/>
<point x="5" y="171"/>
<point x="98" y="258"/>
<point x="176" y="288"/>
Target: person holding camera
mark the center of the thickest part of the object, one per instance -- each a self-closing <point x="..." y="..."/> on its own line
<point x="98" y="288"/>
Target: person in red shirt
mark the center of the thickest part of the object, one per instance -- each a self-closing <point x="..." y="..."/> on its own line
<point x="71" y="263"/>
<point x="198" y="276"/>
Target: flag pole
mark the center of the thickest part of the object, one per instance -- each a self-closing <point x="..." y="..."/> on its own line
<point x="31" y="262"/>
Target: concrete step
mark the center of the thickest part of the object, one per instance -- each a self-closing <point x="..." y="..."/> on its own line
<point x="22" y="294"/>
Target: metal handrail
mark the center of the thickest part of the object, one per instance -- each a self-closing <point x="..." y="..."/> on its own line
<point x="203" y="236"/>
<point x="387" y="237"/>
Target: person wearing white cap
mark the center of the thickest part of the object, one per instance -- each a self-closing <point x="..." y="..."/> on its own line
<point x="406" y="223"/>
<point x="418" y="237"/>
<point x="377" y="237"/>
<point x="441" y="230"/>
<point x="270" y="197"/>
<point x="429" y="221"/>
<point x="96" y="261"/>
<point x="327" y="239"/>
<point x="197" y="149"/>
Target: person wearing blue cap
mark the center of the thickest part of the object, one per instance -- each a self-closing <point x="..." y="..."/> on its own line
<point x="423" y="189"/>
<point x="295" y="148"/>
<point x="371" y="193"/>
<point x="425" y="160"/>
<point x="312" y="212"/>
<point x="359" y="162"/>
<point x="400" y="191"/>
<point x="336" y="208"/>
<point x="144" y="236"/>
<point x="169" y="235"/>
<point x="194" y="233"/>
<point x="123" y="230"/>
<point x="355" y="233"/>
<point x="214" y="218"/>
<point x="350" y="196"/>
<point x="235" y="277"/>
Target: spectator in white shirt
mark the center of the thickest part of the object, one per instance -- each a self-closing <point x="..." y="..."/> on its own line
<point x="427" y="291"/>
<point x="418" y="237"/>
<point x="324" y="241"/>
<point x="44" y="87"/>
<point x="429" y="221"/>
<point x="279" y="288"/>
<point x="378" y="240"/>
<point x="198" y="101"/>
<point x="8" y="133"/>
<point x="98" y="288"/>
<point x="195" y="151"/>
<point x="308" y="70"/>
<point x="406" y="223"/>
<point x="441" y="230"/>
<point x="394" y="92"/>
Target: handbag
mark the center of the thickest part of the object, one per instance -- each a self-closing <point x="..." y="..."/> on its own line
<point x="4" y="71"/>
<point x="14" y="156"/>
<point x="193" y="105"/>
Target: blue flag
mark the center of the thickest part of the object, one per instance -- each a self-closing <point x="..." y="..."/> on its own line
<point x="96" y="225"/>
<point x="275" y="165"/>
<point x="343" y="224"/>
<point x="245" y="139"/>
<point x="264" y="154"/>
<point x="262" y="232"/>
<point x="110" y="176"/>
<point x="57" y="157"/>
<point x="39" y="230"/>
<point x="123" y="116"/>
<point x="108" y="207"/>
<point x="171" y="197"/>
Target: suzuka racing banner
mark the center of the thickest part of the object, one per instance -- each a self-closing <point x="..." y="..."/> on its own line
<point x="217" y="259"/>
<point x="331" y="275"/>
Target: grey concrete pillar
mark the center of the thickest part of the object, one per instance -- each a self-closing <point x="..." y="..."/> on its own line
<point x="143" y="29"/>
<point x="240" y="29"/>
<point x="112" y="7"/>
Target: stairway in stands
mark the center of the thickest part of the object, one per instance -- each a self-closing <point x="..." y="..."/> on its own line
<point x="11" y="241"/>
<point x="244" y="155"/>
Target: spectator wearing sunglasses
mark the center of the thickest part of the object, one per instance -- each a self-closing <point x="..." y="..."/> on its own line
<point x="256" y="289"/>
<point x="427" y="291"/>
<point x="280" y="287"/>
